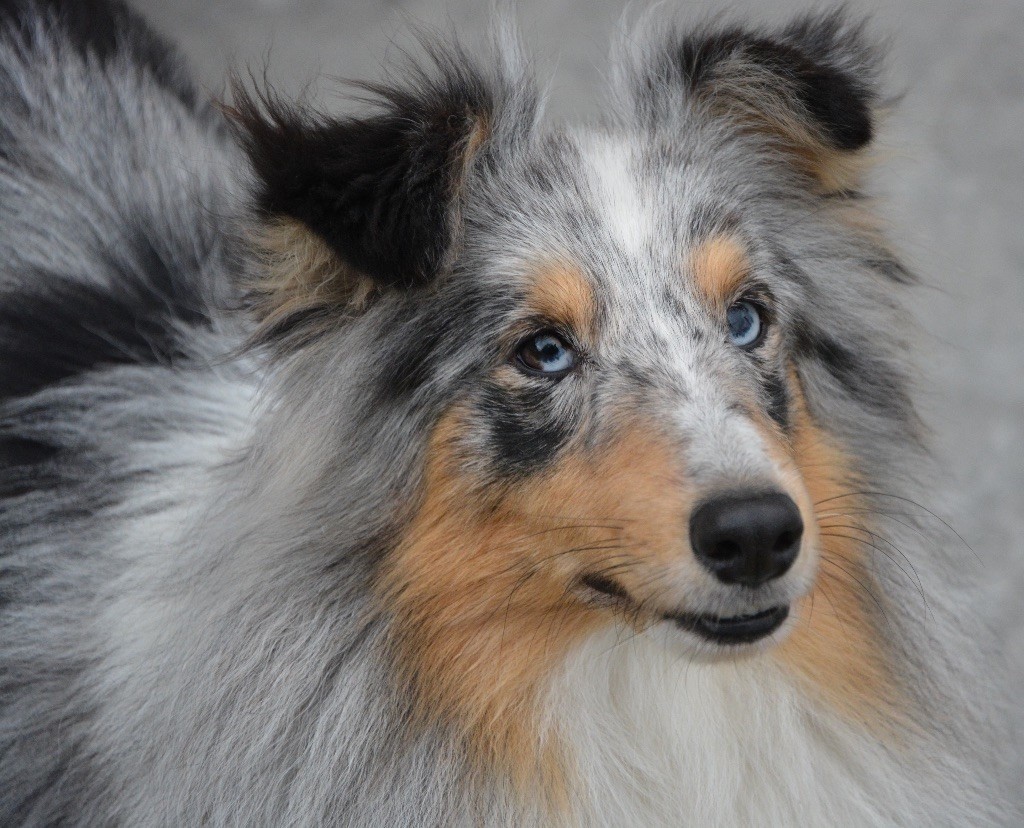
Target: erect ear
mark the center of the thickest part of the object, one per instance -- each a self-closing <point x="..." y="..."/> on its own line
<point x="353" y="206"/>
<point x="810" y="88"/>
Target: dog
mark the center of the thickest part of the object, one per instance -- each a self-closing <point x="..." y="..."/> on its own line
<point x="433" y="466"/>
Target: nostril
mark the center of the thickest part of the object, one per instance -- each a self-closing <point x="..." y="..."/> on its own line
<point x="747" y="539"/>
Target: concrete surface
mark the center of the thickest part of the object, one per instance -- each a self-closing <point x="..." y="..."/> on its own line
<point x="954" y="185"/>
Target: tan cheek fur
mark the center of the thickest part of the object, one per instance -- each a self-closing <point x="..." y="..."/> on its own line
<point x="484" y="591"/>
<point x="837" y="649"/>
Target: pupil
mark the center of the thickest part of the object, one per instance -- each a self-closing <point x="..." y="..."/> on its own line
<point x="549" y="351"/>
<point x="741" y="320"/>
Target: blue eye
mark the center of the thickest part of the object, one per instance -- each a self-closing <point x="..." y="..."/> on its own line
<point x="745" y="325"/>
<point x="546" y="353"/>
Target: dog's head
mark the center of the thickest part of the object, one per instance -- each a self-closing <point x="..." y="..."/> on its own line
<point x="629" y="368"/>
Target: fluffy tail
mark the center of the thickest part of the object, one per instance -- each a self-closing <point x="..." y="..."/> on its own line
<point x="112" y="180"/>
<point x="115" y="263"/>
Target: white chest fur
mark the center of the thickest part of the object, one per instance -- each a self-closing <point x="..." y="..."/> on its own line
<point x="660" y="740"/>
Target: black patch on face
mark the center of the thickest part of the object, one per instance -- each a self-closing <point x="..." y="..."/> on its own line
<point x="414" y="353"/>
<point x="776" y="395"/>
<point x="523" y="435"/>
<point x="867" y="379"/>
<point x="379" y="190"/>
<point x="106" y="29"/>
<point x="63" y="328"/>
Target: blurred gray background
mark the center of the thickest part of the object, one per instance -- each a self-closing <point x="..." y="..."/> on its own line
<point x="953" y="187"/>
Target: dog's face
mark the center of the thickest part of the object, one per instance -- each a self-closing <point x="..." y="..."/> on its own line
<point x="629" y="438"/>
<point x="611" y="350"/>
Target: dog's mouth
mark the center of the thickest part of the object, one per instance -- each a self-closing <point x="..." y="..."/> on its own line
<point x="739" y="629"/>
<point x="723" y="630"/>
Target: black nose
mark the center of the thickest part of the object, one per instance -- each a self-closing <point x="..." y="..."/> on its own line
<point x="747" y="539"/>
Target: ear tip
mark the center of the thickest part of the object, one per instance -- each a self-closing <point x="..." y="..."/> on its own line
<point x="830" y="64"/>
<point x="842" y="41"/>
<point x="841" y="106"/>
<point x="842" y="91"/>
<point x="835" y="31"/>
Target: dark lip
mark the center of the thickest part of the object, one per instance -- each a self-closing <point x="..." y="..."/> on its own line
<point x="740" y="629"/>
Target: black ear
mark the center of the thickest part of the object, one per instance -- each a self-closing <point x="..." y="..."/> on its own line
<point x="358" y="204"/>
<point x="811" y="87"/>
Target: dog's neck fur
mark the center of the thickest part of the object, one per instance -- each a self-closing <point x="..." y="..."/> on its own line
<point x="660" y="740"/>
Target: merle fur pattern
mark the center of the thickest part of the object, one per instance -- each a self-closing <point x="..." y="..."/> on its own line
<point x="190" y="526"/>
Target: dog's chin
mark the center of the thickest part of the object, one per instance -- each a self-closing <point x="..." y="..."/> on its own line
<point x="718" y="637"/>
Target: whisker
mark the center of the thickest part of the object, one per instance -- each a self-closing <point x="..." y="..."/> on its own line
<point x="893" y="516"/>
<point x="508" y="606"/>
<point x="835" y="612"/>
<point x="572" y="550"/>
<point x="572" y="527"/>
<point x="870" y="493"/>
<point x="623" y="566"/>
<point x="615" y="563"/>
<point x="810" y="611"/>
<point x="631" y="619"/>
<point x="518" y="540"/>
<point x="615" y="522"/>
<point x="916" y="580"/>
<point x="870" y="593"/>
<point x="917" y="585"/>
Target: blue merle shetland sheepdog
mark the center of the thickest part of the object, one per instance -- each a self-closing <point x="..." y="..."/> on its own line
<point x="431" y="467"/>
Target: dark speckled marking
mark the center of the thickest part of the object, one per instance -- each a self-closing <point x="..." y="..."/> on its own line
<point x="776" y="394"/>
<point x="523" y="435"/>
<point x="866" y="379"/>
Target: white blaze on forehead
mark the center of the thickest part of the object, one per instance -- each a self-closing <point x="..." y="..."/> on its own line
<point x="620" y="202"/>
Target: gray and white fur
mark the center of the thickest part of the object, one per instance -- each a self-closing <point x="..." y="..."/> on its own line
<point x="203" y="480"/>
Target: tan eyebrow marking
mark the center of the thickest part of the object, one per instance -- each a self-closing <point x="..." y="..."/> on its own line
<point x="718" y="266"/>
<point x="562" y="293"/>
